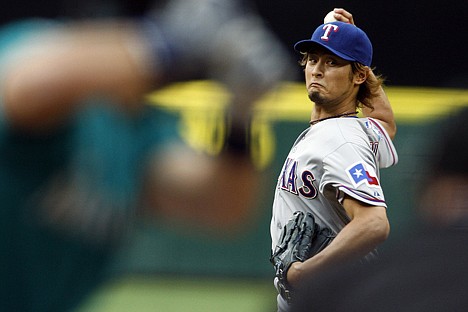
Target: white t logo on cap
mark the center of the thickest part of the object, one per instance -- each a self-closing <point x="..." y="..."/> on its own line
<point x="328" y="29"/>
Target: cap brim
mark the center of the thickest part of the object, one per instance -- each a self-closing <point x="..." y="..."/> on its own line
<point x="305" y="46"/>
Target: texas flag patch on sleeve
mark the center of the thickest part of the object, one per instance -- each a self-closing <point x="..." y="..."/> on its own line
<point x="360" y="173"/>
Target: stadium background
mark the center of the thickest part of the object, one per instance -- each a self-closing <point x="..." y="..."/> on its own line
<point x="417" y="46"/>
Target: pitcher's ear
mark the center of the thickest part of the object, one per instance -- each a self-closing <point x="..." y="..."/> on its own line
<point x="361" y="76"/>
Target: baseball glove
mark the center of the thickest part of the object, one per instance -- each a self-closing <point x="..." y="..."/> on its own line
<point x="300" y="239"/>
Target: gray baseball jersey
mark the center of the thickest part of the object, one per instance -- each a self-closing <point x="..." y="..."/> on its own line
<point x="329" y="159"/>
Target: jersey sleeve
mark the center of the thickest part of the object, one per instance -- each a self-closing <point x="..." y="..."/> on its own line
<point x="352" y="169"/>
<point x="387" y="155"/>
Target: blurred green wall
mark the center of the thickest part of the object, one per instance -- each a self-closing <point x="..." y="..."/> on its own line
<point x="279" y="118"/>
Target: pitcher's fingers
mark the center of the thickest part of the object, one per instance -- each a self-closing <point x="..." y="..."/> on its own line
<point x="343" y="16"/>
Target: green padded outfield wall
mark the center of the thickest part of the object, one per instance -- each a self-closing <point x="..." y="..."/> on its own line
<point x="278" y="119"/>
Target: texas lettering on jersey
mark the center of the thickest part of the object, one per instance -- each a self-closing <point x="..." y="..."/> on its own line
<point x="303" y="183"/>
<point x="289" y="180"/>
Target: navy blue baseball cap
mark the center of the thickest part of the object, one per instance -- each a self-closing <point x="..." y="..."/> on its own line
<point x="345" y="40"/>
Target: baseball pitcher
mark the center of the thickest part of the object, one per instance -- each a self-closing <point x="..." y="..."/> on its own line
<point x="329" y="205"/>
